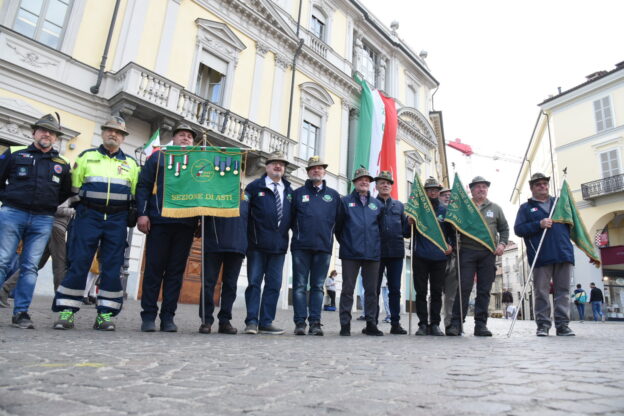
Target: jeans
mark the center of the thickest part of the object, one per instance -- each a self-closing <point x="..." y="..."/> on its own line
<point x="483" y="263"/>
<point x="308" y="267"/>
<point x="350" y="270"/>
<point x="597" y="310"/>
<point x="428" y="273"/>
<point x="261" y="304"/>
<point x="167" y="249"/>
<point x="34" y="230"/>
<point x="580" y="307"/>
<point x="560" y="274"/>
<point x="213" y="262"/>
<point x="394" y="268"/>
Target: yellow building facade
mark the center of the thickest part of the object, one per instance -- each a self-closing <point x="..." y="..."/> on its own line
<point x="224" y="66"/>
<point x="582" y="129"/>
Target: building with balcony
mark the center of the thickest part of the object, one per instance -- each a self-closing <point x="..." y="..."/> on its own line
<point x="582" y="129"/>
<point x="243" y="72"/>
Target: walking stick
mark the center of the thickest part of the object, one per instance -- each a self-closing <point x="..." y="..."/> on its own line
<point x="411" y="283"/>
<point x="526" y="285"/>
<point x="459" y="288"/>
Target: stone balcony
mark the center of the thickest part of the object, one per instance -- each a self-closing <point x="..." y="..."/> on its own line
<point x="151" y="97"/>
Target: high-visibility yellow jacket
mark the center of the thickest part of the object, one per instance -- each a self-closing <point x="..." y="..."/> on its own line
<point x="101" y="178"/>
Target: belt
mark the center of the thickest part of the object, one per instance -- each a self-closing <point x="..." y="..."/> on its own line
<point x="105" y="209"/>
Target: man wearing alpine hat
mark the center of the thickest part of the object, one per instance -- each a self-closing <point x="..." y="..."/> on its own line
<point x="475" y="258"/>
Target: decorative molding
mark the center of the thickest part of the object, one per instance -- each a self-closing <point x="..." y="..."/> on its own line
<point x="30" y="57"/>
<point x="262" y="48"/>
<point x="218" y="37"/>
<point x="415" y="128"/>
<point x="281" y="61"/>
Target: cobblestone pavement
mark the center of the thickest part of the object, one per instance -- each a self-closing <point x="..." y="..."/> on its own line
<point x="126" y="372"/>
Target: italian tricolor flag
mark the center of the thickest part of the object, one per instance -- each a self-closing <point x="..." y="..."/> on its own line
<point x="153" y="144"/>
<point x="376" y="138"/>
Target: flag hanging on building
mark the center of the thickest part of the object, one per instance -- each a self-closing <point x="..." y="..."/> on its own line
<point x="565" y="212"/>
<point x="201" y="181"/>
<point x="376" y="136"/>
<point x="465" y="216"/>
<point x="420" y="209"/>
<point x="152" y="144"/>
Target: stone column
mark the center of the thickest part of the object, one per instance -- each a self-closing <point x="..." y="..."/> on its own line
<point x="277" y="99"/>
<point x="256" y="84"/>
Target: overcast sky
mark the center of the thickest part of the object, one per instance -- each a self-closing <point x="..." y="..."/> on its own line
<point x="496" y="60"/>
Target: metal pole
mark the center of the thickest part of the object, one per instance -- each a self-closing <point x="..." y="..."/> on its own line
<point x="459" y="287"/>
<point x="411" y="282"/>
<point x="203" y="304"/>
<point x="528" y="281"/>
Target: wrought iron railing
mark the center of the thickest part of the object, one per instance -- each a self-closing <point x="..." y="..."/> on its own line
<point x="602" y="187"/>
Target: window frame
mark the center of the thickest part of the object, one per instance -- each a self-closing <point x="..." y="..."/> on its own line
<point x="617" y="159"/>
<point x="41" y="20"/>
<point x="312" y="150"/>
<point x="321" y="24"/>
<point x="601" y="117"/>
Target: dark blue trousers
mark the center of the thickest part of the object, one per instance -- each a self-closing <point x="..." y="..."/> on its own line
<point x="231" y="263"/>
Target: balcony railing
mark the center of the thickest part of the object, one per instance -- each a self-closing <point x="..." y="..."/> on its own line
<point x="603" y="187"/>
<point x="158" y="91"/>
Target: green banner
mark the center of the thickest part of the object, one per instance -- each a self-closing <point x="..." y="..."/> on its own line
<point x="465" y="216"/>
<point x="420" y="209"/>
<point x="201" y="181"/>
<point x="565" y="212"/>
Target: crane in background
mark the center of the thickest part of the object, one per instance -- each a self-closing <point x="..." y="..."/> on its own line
<point x="467" y="151"/>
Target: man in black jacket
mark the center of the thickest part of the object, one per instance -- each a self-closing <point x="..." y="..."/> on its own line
<point x="168" y="240"/>
<point x="394" y="229"/>
<point x="596" y="299"/>
<point x="314" y="211"/>
<point x="34" y="181"/>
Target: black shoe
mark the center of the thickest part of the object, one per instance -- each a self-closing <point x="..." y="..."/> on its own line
<point x="86" y="301"/>
<point x="482" y="331"/>
<point x="148" y="326"/>
<point x="168" y="326"/>
<point x="453" y="331"/>
<point x="371" y="329"/>
<point x="422" y="330"/>
<point x="345" y="330"/>
<point x="227" y="328"/>
<point x="564" y="331"/>
<point x="361" y="318"/>
<point x="542" y="331"/>
<point x="205" y="328"/>
<point x="397" y="329"/>
<point x="22" y="320"/>
<point x="435" y="331"/>
<point x="300" y="328"/>
<point x="270" y="330"/>
<point x="315" y="329"/>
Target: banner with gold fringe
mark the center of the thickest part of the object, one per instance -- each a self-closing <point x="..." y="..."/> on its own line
<point x="201" y="180"/>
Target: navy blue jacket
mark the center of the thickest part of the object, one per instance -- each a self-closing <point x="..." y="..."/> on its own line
<point x="314" y="218"/>
<point x="263" y="232"/>
<point x="394" y="228"/>
<point x="38" y="182"/>
<point x="149" y="204"/>
<point x="358" y="228"/>
<point x="227" y="235"/>
<point x="423" y="247"/>
<point x="556" y="247"/>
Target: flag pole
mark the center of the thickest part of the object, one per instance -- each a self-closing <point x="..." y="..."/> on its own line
<point x="203" y="304"/>
<point x="459" y="288"/>
<point x="539" y="247"/>
<point x="411" y="282"/>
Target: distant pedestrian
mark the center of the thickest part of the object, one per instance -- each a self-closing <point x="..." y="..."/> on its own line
<point x="330" y="287"/>
<point x="596" y="299"/>
<point x="580" y="299"/>
<point x="507" y="300"/>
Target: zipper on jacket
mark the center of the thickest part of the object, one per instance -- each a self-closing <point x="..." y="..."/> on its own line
<point x="255" y="233"/>
<point x="298" y="228"/>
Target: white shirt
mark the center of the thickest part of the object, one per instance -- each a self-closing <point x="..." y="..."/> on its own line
<point x="280" y="187"/>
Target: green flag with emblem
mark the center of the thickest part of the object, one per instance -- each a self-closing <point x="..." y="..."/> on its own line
<point x="201" y="181"/>
<point x="565" y="212"/>
<point x="420" y="209"/>
<point x="465" y="216"/>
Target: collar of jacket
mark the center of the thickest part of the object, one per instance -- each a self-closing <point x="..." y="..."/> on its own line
<point x="308" y="184"/>
<point x="355" y="195"/>
<point x="119" y="154"/>
<point x="33" y="149"/>
<point x="261" y="179"/>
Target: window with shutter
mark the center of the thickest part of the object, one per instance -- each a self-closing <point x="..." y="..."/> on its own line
<point x="603" y="115"/>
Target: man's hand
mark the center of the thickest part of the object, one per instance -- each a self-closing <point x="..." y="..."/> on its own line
<point x="449" y="251"/>
<point x="499" y="250"/>
<point x="143" y="224"/>
<point x="546" y="223"/>
<point x="411" y="221"/>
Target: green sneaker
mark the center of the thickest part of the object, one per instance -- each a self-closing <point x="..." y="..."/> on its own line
<point x="103" y="322"/>
<point x="66" y="320"/>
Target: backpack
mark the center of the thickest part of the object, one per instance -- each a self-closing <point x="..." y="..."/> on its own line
<point x="580" y="297"/>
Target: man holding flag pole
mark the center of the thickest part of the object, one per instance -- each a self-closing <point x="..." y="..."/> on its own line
<point x="479" y="221"/>
<point x="547" y="225"/>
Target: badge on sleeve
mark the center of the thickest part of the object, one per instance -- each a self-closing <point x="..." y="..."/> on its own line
<point x="305" y="198"/>
<point x="372" y="206"/>
<point x="327" y="198"/>
<point x="489" y="214"/>
<point x="352" y="204"/>
<point x="534" y="209"/>
<point x="58" y="169"/>
<point x="261" y="194"/>
<point x="56" y="179"/>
